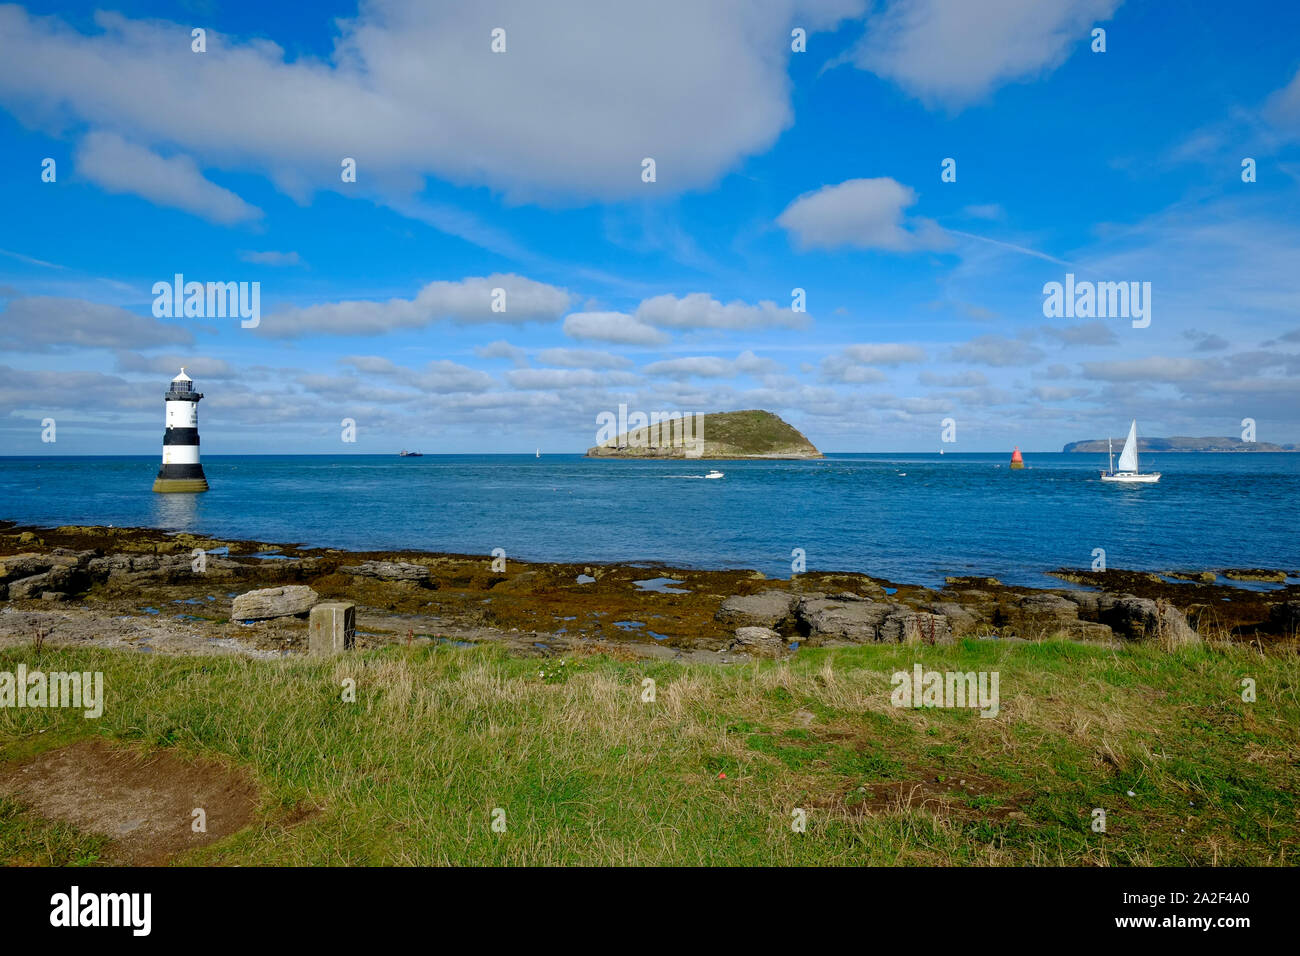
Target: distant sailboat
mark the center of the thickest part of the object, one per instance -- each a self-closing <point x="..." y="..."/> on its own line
<point x="1128" y="462"/>
<point x="539" y="453"/>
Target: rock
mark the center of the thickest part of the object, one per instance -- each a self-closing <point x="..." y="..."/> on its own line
<point x="56" y="579"/>
<point x="973" y="581"/>
<point x="1284" y="618"/>
<point x="961" y="620"/>
<point x="75" y="558"/>
<point x="1255" y="574"/>
<point x="525" y="582"/>
<point x="858" y="622"/>
<point x="273" y="602"/>
<point x="774" y="609"/>
<point x="389" y="571"/>
<point x="1201" y="577"/>
<point x="332" y="627"/>
<point x="17" y="566"/>
<point x="1087" y="602"/>
<point x="1143" y="619"/>
<point x="759" y="641"/>
<point x="1048" y="606"/>
<point x="915" y="627"/>
<point x="1088" y="631"/>
<point x="1042" y="614"/>
<point x="53" y="596"/>
<point x="27" y="538"/>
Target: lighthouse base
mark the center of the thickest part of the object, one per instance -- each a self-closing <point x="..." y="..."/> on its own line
<point x="180" y="478"/>
<point x="180" y="484"/>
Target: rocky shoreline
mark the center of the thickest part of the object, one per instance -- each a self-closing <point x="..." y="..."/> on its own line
<point x="148" y="590"/>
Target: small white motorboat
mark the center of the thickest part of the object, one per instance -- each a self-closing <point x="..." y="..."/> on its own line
<point x="714" y="474"/>
<point x="1128" y="462"/>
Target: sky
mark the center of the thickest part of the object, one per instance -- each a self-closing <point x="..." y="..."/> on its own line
<point x="855" y="235"/>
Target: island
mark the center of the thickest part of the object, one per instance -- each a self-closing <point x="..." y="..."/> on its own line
<point x="1177" y="443"/>
<point x="752" y="433"/>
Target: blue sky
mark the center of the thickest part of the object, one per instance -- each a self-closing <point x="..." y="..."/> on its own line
<point x="522" y="170"/>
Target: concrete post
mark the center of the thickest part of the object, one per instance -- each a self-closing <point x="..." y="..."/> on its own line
<point x="332" y="628"/>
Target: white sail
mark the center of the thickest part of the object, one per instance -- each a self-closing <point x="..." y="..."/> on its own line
<point x="1128" y="458"/>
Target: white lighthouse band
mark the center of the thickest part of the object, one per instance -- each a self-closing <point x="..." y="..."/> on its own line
<point x="181" y="470"/>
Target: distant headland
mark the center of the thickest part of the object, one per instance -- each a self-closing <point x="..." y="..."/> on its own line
<point x="752" y="433"/>
<point x="1178" y="443"/>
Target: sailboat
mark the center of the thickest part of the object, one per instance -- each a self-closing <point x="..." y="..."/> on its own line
<point x="1128" y="462"/>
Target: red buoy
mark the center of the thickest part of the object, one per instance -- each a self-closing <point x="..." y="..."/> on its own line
<point x="1016" y="460"/>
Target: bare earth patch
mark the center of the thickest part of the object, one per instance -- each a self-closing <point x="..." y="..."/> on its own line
<point x="959" y="794"/>
<point x="143" y="804"/>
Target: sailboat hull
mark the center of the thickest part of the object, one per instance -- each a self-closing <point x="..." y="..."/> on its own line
<point x="1131" y="478"/>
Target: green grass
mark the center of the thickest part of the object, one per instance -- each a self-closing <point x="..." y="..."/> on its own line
<point x="754" y="431"/>
<point x="587" y="773"/>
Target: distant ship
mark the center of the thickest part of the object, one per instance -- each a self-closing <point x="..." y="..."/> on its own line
<point x="1128" y="462"/>
<point x="409" y="454"/>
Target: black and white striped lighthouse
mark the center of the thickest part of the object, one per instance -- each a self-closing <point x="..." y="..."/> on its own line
<point x="180" y="469"/>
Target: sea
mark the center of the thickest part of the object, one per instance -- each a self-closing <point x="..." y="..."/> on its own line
<point x="911" y="518"/>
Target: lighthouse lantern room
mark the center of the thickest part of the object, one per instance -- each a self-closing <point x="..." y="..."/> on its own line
<point x="181" y="470"/>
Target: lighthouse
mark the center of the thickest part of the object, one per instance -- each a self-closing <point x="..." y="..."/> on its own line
<point x="180" y="469"/>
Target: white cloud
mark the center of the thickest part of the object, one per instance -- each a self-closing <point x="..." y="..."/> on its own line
<point x="1157" y="368"/>
<point x="271" y="258"/>
<point x="45" y="323"/>
<point x="860" y="213"/>
<point x="412" y="89"/>
<point x="1085" y="333"/>
<point x="699" y="310"/>
<point x="197" y="366"/>
<point x="582" y="358"/>
<point x="997" y="350"/>
<point x="1282" y="109"/>
<point x="1057" y="393"/>
<point x="117" y="166"/>
<point x="967" y="379"/>
<point x="889" y="354"/>
<point x="440" y="376"/>
<point x="955" y="52"/>
<point x="836" y="368"/>
<point x="711" y="366"/>
<point x="616" y="327"/>
<point x="467" y="302"/>
<point x="529" y="379"/>
<point x="858" y="364"/>
<point x="501" y="349"/>
<point x="22" y="390"/>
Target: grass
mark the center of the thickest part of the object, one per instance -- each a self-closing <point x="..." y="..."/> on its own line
<point x="711" y="771"/>
<point x="755" y="432"/>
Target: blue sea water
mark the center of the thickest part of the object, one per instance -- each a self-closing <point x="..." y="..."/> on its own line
<point x="908" y="517"/>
